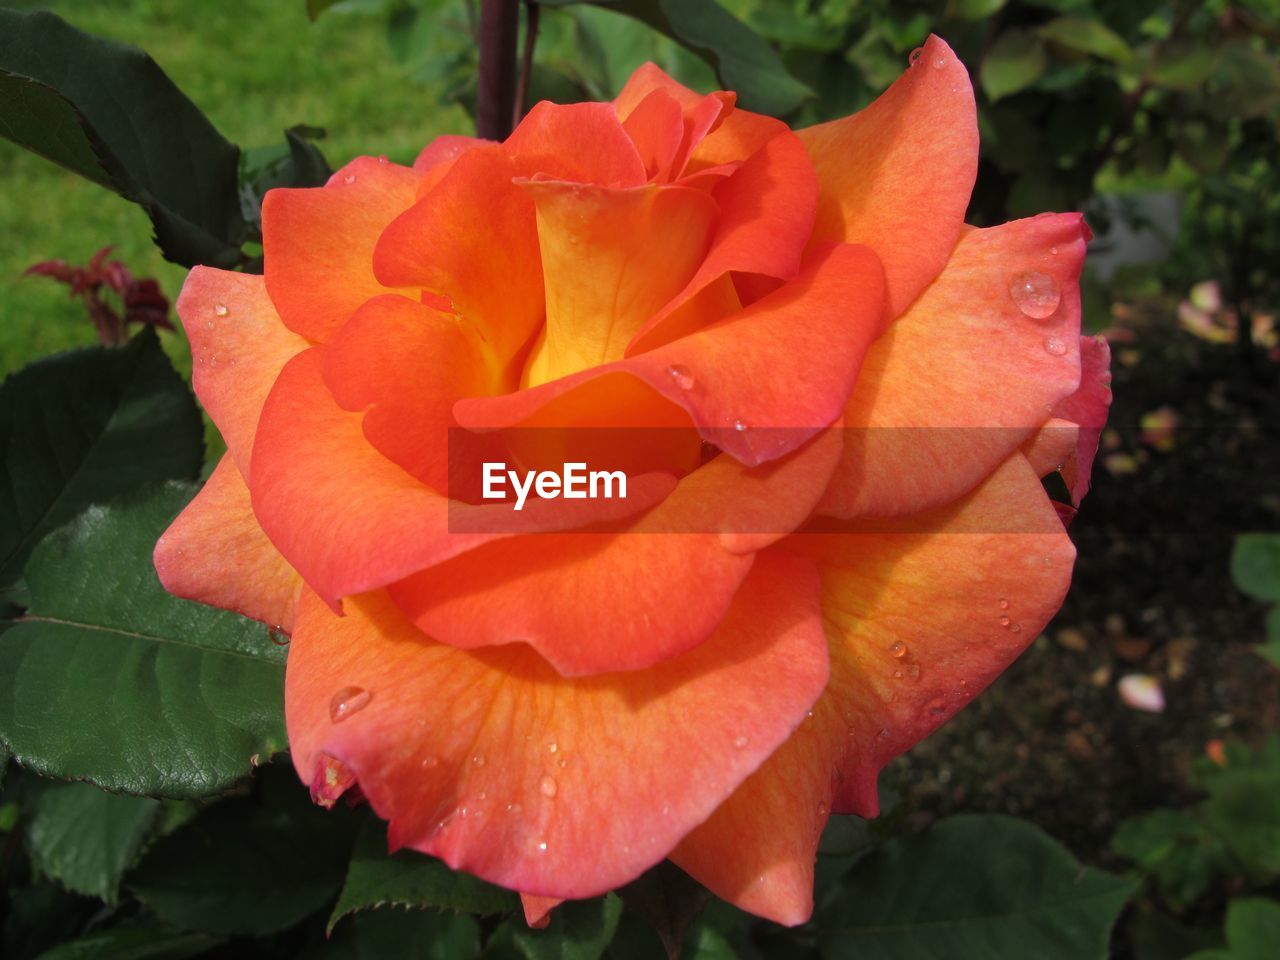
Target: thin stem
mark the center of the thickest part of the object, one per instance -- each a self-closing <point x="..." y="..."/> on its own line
<point x="496" y="85"/>
<point x="531" y="11"/>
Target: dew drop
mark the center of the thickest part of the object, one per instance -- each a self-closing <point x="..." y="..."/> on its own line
<point x="897" y="674"/>
<point x="1055" y="347"/>
<point x="1053" y="251"/>
<point x="939" y="63"/>
<point x="562" y="763"/>
<point x="513" y="808"/>
<point x="915" y="54"/>
<point x="740" y="743"/>
<point x="478" y="760"/>
<point x="1036" y="294"/>
<point x="220" y="310"/>
<point x="1004" y="621"/>
<point x="1004" y="604"/>
<point x="898" y="649"/>
<point x="548" y="787"/>
<point x="884" y="733"/>
<point x="482" y="796"/>
<point x="278" y="637"/>
<point x="681" y="376"/>
<point x="822" y="809"/>
<point x="542" y="846"/>
<point x="428" y="762"/>
<point x="349" y="178"/>
<point x="739" y="426"/>
<point x="347" y="701"/>
<point x="383" y="159"/>
<point x="552" y="747"/>
<point x="1016" y="628"/>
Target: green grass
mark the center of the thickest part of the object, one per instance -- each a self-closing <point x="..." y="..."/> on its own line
<point x="255" y="67"/>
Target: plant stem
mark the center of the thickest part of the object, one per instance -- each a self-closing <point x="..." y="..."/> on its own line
<point x="531" y="10"/>
<point x="496" y="85"/>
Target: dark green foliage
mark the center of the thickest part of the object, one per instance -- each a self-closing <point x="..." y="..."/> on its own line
<point x="109" y="678"/>
<point x="83" y="428"/>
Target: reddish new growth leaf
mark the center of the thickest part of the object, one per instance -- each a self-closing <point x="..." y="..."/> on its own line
<point x="135" y="301"/>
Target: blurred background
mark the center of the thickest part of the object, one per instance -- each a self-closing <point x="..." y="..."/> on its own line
<point x="1159" y="120"/>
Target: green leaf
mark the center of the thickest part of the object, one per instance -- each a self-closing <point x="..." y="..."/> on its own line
<point x="1255" y="565"/>
<point x="1253" y="930"/>
<point x="247" y="866"/>
<point x="410" y="879"/>
<point x="402" y="935"/>
<point x="973" y="886"/>
<point x="85" y="427"/>
<point x="134" y="941"/>
<point x="974" y="9"/>
<point x="108" y="678"/>
<point x="1184" y="68"/>
<point x="86" y="838"/>
<point x="107" y="112"/>
<point x="1174" y="847"/>
<point x="579" y="930"/>
<point x="743" y="60"/>
<point x="1014" y="62"/>
<point x="1087" y="36"/>
<point x="1242" y="810"/>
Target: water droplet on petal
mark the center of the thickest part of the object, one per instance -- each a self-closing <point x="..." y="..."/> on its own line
<point x="897" y="674"/>
<point x="915" y="54"/>
<point x="884" y="733"/>
<point x="347" y="701"/>
<point x="1004" y="604"/>
<point x="898" y="649"/>
<point x="1036" y="294"/>
<point x="428" y="762"/>
<point x="220" y="309"/>
<point x="552" y="747"/>
<point x="478" y="760"/>
<point x="349" y="178"/>
<point x="681" y="376"/>
<point x="822" y="809"/>
<point x="939" y="63"/>
<point x="1055" y="346"/>
<point x="740" y="743"/>
<point x="513" y="808"/>
<point x="739" y="426"/>
<point x="1016" y="628"/>
<point x="548" y="787"/>
<point x="1004" y="621"/>
<point x="542" y="846"/>
<point x="383" y="159"/>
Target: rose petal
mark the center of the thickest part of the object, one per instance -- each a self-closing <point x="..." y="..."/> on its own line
<point x="215" y="552"/>
<point x="656" y="127"/>
<point x="1088" y="408"/>
<point x="472" y="239"/>
<point x="965" y="377"/>
<point x="897" y="176"/>
<point x="407" y="364"/>
<point x="238" y="347"/>
<point x="318" y="243"/>
<point x="753" y="401"/>
<point x="350" y="520"/>
<point x="444" y="150"/>
<point x="554" y="787"/>
<point x="919" y="622"/>
<point x="610" y="259"/>
<point x="665" y="580"/>
<point x="767" y="209"/>
<point x="580" y="142"/>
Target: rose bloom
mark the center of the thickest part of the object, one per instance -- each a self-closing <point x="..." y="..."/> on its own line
<point x="835" y="533"/>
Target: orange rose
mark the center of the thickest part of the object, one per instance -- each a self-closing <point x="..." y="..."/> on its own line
<point x="835" y="533"/>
